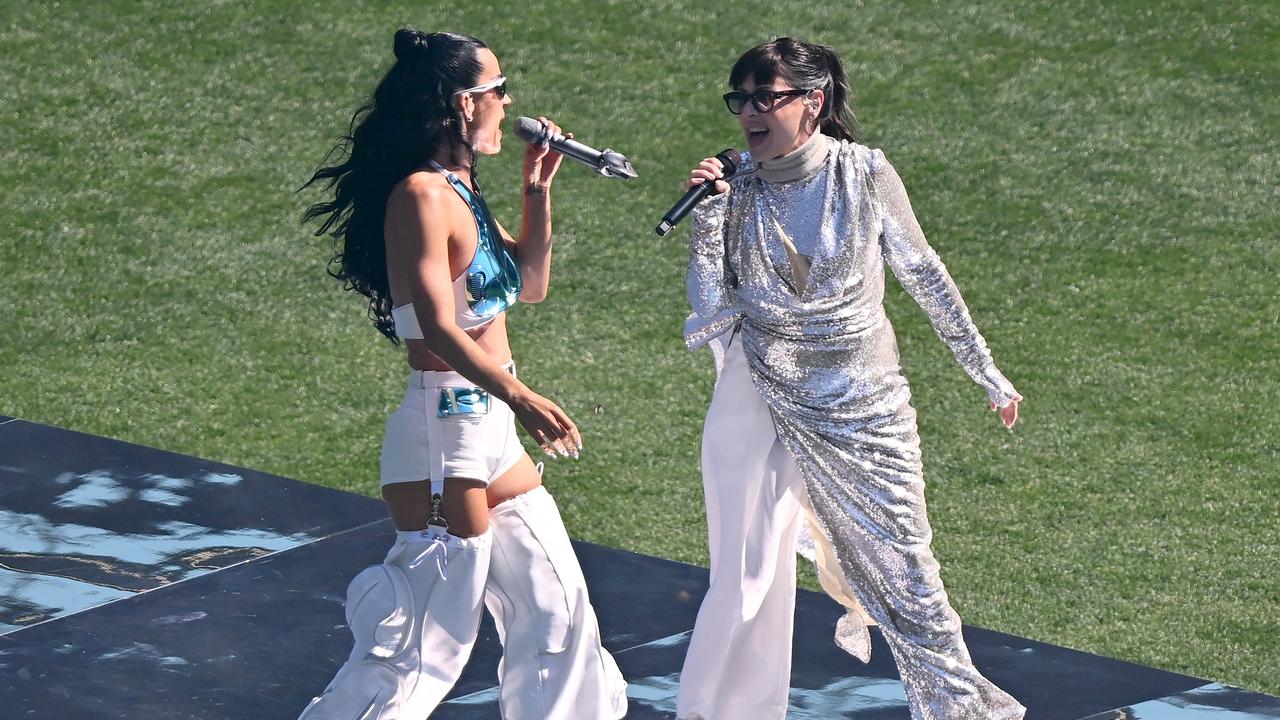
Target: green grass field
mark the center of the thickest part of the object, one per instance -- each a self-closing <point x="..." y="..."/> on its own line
<point x="1101" y="183"/>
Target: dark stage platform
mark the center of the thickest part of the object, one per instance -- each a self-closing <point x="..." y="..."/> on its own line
<point x="136" y="583"/>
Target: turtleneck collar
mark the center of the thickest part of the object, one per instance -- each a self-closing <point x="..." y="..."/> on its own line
<point x="798" y="164"/>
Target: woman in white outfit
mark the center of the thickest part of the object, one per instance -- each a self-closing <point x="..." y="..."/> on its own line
<point x="474" y="524"/>
<point x="810" y="432"/>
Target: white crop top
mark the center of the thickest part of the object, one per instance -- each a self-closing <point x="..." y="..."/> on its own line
<point x="406" y="320"/>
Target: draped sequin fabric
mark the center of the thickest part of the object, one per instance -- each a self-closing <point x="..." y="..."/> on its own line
<point x="824" y="358"/>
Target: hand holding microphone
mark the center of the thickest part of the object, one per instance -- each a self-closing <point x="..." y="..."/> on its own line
<point x="709" y="170"/>
<point x="541" y="162"/>
<point x="706" y="179"/>
<point x="606" y="162"/>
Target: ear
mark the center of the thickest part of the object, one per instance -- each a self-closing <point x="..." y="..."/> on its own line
<point x="467" y="105"/>
<point x="815" y="101"/>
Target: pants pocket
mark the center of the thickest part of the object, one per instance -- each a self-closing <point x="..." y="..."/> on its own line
<point x="379" y="610"/>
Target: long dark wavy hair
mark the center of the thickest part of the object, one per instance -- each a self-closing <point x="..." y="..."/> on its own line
<point x="410" y="117"/>
<point x="805" y="66"/>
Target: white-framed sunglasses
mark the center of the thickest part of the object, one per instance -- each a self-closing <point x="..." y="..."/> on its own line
<point x="498" y="85"/>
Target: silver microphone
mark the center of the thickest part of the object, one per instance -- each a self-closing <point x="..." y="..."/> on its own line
<point x="606" y="162"/>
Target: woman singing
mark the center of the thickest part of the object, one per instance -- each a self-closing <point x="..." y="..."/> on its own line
<point x="474" y="523"/>
<point x="811" y="430"/>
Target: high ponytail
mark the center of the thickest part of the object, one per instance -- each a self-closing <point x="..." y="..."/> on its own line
<point x="410" y="44"/>
<point x="836" y="117"/>
<point x="806" y="66"/>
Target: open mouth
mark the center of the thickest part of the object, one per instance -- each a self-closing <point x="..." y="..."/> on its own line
<point x="757" y="136"/>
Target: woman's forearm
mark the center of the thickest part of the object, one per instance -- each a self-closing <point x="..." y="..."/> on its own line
<point x="459" y="351"/>
<point x="710" y="281"/>
<point x="533" y="248"/>
<point x="923" y="275"/>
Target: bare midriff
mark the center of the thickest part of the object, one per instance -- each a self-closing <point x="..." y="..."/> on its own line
<point x="491" y="337"/>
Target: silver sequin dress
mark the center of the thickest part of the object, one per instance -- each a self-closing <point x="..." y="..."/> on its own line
<point x="824" y="358"/>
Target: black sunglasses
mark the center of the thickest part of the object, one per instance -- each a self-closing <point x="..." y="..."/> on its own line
<point x="763" y="99"/>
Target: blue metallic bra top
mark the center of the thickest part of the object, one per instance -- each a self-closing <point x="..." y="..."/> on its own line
<point x="489" y="285"/>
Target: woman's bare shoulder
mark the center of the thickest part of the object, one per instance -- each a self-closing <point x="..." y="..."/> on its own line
<point x="420" y="207"/>
<point x="423" y="189"/>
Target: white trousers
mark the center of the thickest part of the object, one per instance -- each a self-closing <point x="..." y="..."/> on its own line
<point x="739" y="659"/>
<point x="414" y="619"/>
<point x="553" y="666"/>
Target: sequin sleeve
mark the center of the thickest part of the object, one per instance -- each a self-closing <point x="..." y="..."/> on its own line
<point x="922" y="274"/>
<point x="710" y="281"/>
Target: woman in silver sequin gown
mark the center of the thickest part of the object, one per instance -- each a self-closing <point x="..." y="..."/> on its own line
<point x="811" y="439"/>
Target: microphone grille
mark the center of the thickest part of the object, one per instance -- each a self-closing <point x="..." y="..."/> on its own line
<point x="730" y="159"/>
<point x="530" y="130"/>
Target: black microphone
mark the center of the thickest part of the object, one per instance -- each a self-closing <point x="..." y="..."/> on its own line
<point x="606" y="162"/>
<point x="729" y="159"/>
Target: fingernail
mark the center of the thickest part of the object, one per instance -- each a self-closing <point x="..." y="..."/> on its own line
<point x="575" y="456"/>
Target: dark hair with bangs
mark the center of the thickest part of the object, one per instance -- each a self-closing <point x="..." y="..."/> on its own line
<point x="806" y="66"/>
<point x="411" y="116"/>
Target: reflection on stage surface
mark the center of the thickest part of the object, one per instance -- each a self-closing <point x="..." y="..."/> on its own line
<point x="140" y="583"/>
